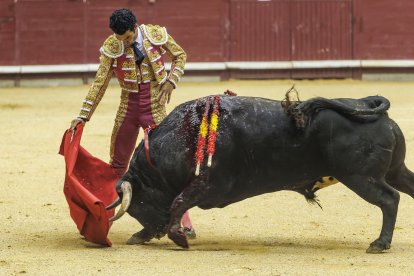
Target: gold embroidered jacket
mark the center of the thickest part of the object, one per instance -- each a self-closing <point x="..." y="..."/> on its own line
<point x="115" y="57"/>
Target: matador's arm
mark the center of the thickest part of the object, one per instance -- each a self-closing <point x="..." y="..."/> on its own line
<point x="98" y="88"/>
<point x="110" y="50"/>
<point x="178" y="58"/>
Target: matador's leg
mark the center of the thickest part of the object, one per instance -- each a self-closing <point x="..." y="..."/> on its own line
<point x="124" y="133"/>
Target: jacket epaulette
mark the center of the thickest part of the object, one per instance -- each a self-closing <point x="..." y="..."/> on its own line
<point x="112" y="47"/>
<point x="157" y="35"/>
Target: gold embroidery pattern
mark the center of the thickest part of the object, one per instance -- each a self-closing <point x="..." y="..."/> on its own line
<point x="130" y="86"/>
<point x="98" y="88"/>
<point x="146" y="71"/>
<point x="126" y="71"/>
<point x="130" y="52"/>
<point x="119" y="119"/>
<point x="178" y="58"/>
<point x="145" y="63"/>
<point x="112" y="47"/>
<point x="131" y="72"/>
<point x="147" y="77"/>
<point x="156" y="34"/>
<point x="128" y="64"/>
<point x="153" y="56"/>
<point x="158" y="109"/>
<point x="130" y="75"/>
<point x="156" y="61"/>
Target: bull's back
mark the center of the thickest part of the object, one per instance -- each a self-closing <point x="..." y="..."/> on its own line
<point x="253" y="134"/>
<point x="259" y="149"/>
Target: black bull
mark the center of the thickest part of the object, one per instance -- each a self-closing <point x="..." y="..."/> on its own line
<point x="263" y="147"/>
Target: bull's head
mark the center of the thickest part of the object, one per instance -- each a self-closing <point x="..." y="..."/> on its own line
<point x="148" y="203"/>
<point x="124" y="190"/>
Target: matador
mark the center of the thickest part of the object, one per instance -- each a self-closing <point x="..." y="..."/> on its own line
<point x="135" y="53"/>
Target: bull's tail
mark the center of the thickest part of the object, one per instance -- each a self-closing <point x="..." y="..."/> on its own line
<point x="364" y="110"/>
<point x="398" y="175"/>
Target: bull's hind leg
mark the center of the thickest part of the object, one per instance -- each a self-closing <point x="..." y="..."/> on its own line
<point x="188" y="198"/>
<point x="401" y="179"/>
<point x="379" y="193"/>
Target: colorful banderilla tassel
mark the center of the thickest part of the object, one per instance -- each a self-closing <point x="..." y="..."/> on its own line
<point x="202" y="137"/>
<point x="212" y="136"/>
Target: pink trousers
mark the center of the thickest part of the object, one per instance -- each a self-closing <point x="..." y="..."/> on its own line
<point x="134" y="112"/>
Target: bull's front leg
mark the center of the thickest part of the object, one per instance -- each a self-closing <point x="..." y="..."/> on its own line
<point x="141" y="237"/>
<point x="188" y="198"/>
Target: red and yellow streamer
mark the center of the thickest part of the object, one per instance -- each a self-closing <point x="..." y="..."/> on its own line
<point x="199" y="156"/>
<point x="211" y="129"/>
<point x="212" y="136"/>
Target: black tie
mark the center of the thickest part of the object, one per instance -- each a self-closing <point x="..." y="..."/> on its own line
<point x="139" y="57"/>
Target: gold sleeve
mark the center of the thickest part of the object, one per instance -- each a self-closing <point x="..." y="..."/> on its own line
<point x="98" y="88"/>
<point x="178" y="58"/>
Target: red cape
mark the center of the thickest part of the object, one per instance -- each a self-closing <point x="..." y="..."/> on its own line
<point x="89" y="187"/>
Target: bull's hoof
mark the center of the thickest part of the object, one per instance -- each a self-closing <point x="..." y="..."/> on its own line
<point x="190" y="233"/>
<point x="140" y="237"/>
<point x="179" y="238"/>
<point x="377" y="247"/>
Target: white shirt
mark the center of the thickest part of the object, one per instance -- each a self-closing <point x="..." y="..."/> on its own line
<point x="139" y="40"/>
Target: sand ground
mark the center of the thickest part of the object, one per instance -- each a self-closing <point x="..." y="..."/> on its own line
<point x="273" y="234"/>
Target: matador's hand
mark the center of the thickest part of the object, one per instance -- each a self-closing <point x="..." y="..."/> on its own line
<point x="165" y="92"/>
<point x="75" y="122"/>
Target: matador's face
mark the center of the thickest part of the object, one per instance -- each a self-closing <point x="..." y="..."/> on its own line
<point x="129" y="36"/>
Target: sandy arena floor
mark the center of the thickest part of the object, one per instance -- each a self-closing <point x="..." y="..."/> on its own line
<point x="273" y="234"/>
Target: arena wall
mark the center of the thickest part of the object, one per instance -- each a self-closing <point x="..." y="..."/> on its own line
<point x="229" y="38"/>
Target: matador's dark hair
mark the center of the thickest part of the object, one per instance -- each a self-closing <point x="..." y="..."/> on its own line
<point x="122" y="20"/>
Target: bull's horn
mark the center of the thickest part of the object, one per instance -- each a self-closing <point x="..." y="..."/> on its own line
<point x="114" y="204"/>
<point x="126" y="189"/>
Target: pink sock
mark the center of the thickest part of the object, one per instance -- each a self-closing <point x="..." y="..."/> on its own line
<point x="186" y="220"/>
